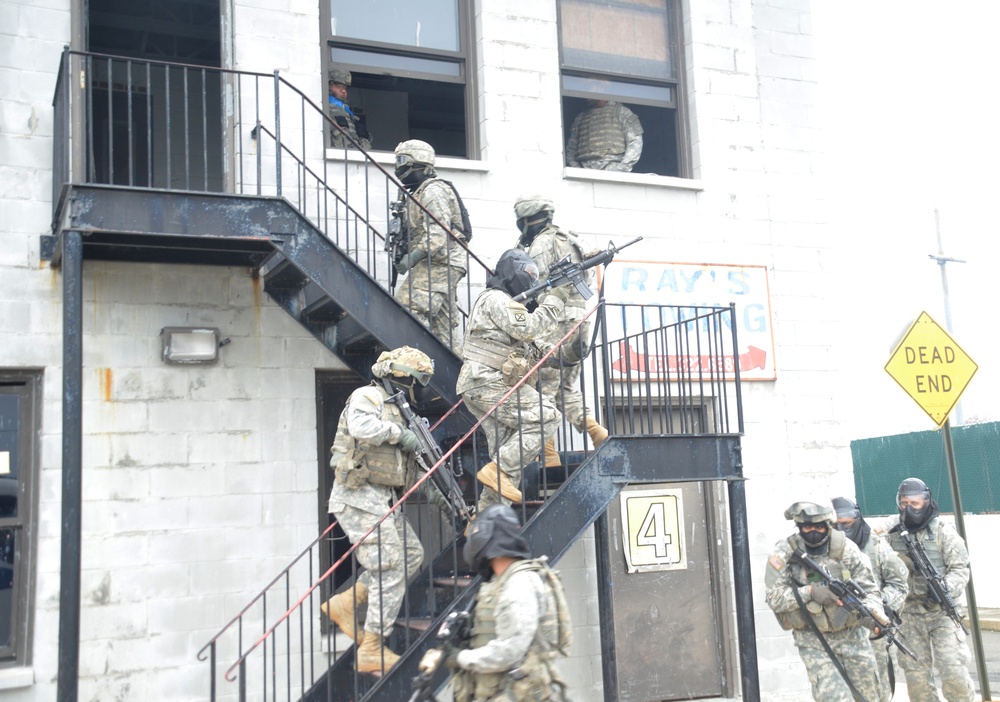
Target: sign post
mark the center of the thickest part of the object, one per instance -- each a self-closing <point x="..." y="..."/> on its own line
<point x="934" y="370"/>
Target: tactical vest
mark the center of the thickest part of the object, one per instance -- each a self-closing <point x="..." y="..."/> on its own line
<point x="537" y="665"/>
<point x="828" y="618"/>
<point x="600" y="134"/>
<point x="930" y="538"/>
<point x="356" y="462"/>
<point x="568" y="243"/>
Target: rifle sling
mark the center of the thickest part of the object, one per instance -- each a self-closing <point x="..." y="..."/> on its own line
<point x="826" y="646"/>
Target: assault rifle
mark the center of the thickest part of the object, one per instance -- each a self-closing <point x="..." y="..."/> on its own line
<point x="937" y="589"/>
<point x="453" y="634"/>
<point x="566" y="271"/>
<point x="397" y="240"/>
<point x="851" y="597"/>
<point x="428" y="455"/>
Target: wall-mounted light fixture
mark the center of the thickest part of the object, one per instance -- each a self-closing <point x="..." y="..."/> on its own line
<point x="190" y="344"/>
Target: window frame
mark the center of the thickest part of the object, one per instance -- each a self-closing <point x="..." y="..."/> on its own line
<point x="463" y="57"/>
<point x="682" y="145"/>
<point x="27" y="384"/>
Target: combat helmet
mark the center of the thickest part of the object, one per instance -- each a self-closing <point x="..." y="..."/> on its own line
<point x="531" y="204"/>
<point x="495" y="532"/>
<point x="414" y="152"/>
<point x="339" y="75"/>
<point x="404" y="362"/>
<point x="812" y="512"/>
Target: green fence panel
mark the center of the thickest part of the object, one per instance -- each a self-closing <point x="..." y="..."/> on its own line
<point x="882" y="463"/>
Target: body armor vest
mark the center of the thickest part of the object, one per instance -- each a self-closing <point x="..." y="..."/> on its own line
<point x="828" y="618"/>
<point x="600" y="134"/>
<point x="536" y="664"/>
<point x="381" y="465"/>
<point x="928" y="537"/>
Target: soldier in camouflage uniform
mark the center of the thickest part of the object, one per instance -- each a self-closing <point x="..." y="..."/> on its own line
<point x="520" y="623"/>
<point x="794" y="592"/>
<point x="436" y="259"/>
<point x="351" y="121"/>
<point x="497" y="354"/>
<point x="605" y="136"/>
<point x="373" y="457"/>
<point x="889" y="571"/>
<point x="937" y="641"/>
<point x="546" y="244"/>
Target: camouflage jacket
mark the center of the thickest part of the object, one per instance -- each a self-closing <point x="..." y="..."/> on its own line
<point x="427" y="235"/>
<point x="944" y="548"/>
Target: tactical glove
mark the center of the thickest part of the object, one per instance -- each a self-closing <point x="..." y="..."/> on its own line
<point x="408" y="441"/>
<point x="410" y="260"/>
<point x="823" y="595"/>
<point x="561" y="292"/>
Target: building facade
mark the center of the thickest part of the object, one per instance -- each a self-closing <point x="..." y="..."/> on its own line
<point x="201" y="482"/>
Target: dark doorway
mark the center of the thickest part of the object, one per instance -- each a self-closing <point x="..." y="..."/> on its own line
<point x="184" y="31"/>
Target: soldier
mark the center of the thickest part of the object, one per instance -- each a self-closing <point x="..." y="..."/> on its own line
<point x="890" y="576"/>
<point x="547" y="244"/>
<point x="520" y="622"/>
<point x="496" y="355"/>
<point x="436" y="260"/>
<point x="351" y="121"/>
<point x="936" y="640"/>
<point x="606" y="136"/>
<point x="832" y="643"/>
<point x="373" y="457"/>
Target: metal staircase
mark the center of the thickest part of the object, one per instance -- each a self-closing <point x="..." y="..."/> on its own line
<point x="263" y="197"/>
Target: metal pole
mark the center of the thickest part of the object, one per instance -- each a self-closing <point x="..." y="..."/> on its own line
<point x="72" y="432"/>
<point x="606" y="608"/>
<point x="970" y="590"/>
<point x="942" y="262"/>
<point x="745" y="627"/>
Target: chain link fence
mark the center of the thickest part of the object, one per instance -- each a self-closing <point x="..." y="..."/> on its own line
<point x="882" y="463"/>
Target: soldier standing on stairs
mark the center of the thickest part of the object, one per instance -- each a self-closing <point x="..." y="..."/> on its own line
<point x="373" y="457"/>
<point x="497" y="354"/>
<point x="436" y="260"/>
<point x="546" y="244"/>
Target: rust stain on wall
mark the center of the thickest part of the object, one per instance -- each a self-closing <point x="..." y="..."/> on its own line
<point x="106" y="379"/>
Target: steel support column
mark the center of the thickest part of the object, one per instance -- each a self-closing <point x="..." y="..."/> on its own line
<point x="742" y="584"/>
<point x="72" y="468"/>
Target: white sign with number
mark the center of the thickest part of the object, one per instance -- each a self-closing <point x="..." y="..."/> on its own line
<point x="653" y="530"/>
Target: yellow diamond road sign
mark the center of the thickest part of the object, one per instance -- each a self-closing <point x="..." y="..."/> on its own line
<point x="931" y="367"/>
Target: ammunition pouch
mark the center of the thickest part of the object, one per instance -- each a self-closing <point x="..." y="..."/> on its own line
<point x="348" y="472"/>
<point x="512" y="365"/>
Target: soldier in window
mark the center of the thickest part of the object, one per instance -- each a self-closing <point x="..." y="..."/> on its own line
<point x="606" y="136"/>
<point x="351" y="122"/>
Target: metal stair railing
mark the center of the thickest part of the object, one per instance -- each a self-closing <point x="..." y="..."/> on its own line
<point x="184" y="127"/>
<point x="646" y="366"/>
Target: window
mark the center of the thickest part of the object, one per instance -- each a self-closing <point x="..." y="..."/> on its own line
<point x="409" y="64"/>
<point x="627" y="51"/>
<point x="19" y="410"/>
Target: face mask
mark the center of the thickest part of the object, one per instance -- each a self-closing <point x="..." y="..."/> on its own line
<point x="814" y="538"/>
<point x="852" y="532"/>
<point x="410" y="176"/>
<point x="913" y="518"/>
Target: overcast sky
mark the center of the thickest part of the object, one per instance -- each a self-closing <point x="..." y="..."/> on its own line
<point x="910" y="98"/>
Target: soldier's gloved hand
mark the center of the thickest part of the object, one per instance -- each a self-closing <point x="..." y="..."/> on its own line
<point x="408" y="441"/>
<point x="821" y="594"/>
<point x="410" y="260"/>
<point x="561" y="292"/>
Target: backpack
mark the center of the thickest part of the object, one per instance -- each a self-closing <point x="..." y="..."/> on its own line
<point x="466" y="222"/>
<point x="558" y="631"/>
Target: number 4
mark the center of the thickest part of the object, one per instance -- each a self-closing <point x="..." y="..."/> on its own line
<point x="653" y="531"/>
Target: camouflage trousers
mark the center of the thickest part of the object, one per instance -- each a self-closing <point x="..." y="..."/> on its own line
<point x="854" y="651"/>
<point x="391" y="555"/>
<point x="882" y="657"/>
<point x="516" y="431"/>
<point x="940" y="644"/>
<point x="430" y="292"/>
<point x="560" y="385"/>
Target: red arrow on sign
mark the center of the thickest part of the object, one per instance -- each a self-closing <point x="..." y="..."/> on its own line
<point x="631" y="361"/>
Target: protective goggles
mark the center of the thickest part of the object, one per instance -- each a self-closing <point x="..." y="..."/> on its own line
<point x="403" y="160"/>
<point x="422" y="377"/>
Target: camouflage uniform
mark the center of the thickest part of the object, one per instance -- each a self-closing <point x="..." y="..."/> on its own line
<point x="936" y="640"/>
<point x="890" y="575"/>
<point x="515" y="626"/>
<point x="430" y="291"/>
<point x="341" y="113"/>
<point x="368" y="468"/>
<point x="848" y="639"/>
<point x="605" y="138"/>
<point x="518" y="428"/>
<point x="551" y="245"/>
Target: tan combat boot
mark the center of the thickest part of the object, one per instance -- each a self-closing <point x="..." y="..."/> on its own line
<point x="487" y="475"/>
<point x="597" y="433"/>
<point x="373" y="656"/>
<point x="552" y="457"/>
<point x="343" y="610"/>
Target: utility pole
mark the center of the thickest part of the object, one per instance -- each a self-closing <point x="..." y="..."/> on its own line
<point x="943" y="261"/>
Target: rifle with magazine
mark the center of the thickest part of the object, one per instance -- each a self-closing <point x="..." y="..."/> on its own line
<point x="851" y="597"/>
<point x="428" y="455"/>
<point x="453" y="635"/>
<point x="397" y="240"/>
<point x="565" y="271"/>
<point x="937" y="589"/>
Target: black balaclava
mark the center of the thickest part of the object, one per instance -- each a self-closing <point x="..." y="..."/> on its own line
<point x="532" y="226"/>
<point x="860" y="530"/>
<point x="412" y="175"/>
<point x="816" y="542"/>
<point x="916" y="519"/>
<point x="515" y="273"/>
